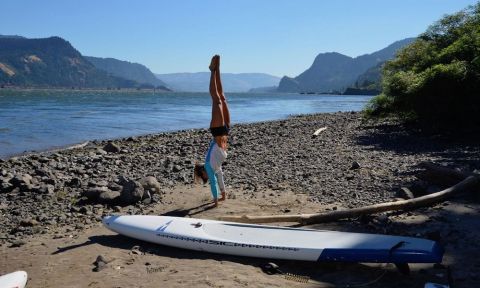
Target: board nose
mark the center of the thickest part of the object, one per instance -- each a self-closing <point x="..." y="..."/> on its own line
<point x="107" y="220"/>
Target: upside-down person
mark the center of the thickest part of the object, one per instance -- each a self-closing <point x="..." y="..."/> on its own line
<point x="219" y="127"/>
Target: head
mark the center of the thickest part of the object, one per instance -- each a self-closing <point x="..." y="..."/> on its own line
<point x="222" y="141"/>
<point x="200" y="172"/>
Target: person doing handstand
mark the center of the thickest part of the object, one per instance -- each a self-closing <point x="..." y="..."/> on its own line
<point x="219" y="127"/>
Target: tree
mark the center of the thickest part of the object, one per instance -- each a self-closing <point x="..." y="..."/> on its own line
<point x="436" y="79"/>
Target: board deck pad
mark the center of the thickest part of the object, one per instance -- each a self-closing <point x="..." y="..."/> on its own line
<point x="275" y="242"/>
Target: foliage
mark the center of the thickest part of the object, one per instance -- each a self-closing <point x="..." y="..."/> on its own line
<point x="436" y="79"/>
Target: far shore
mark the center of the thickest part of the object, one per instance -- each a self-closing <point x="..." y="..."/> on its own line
<point x="19" y="88"/>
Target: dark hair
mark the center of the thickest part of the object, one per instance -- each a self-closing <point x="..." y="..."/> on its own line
<point x="198" y="172"/>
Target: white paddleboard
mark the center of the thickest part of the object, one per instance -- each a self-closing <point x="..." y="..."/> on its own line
<point x="16" y="279"/>
<point x="274" y="242"/>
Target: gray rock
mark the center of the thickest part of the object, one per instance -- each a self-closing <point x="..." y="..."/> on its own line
<point x="17" y="243"/>
<point x="108" y="197"/>
<point x="132" y="192"/>
<point x="85" y="209"/>
<point x="115" y="187"/>
<point x="92" y="194"/>
<point x="111" y="148"/>
<point x="355" y="165"/>
<point x="102" y="183"/>
<point x="21" y="179"/>
<point x="6" y="187"/>
<point x="151" y="184"/>
<point x="44" y="189"/>
<point x="75" y="182"/>
<point x="28" y="222"/>
<point x="44" y="173"/>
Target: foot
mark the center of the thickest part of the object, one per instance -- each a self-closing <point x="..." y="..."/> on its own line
<point x="223" y="197"/>
<point x="213" y="63"/>
<point x="218" y="62"/>
<point x="215" y="203"/>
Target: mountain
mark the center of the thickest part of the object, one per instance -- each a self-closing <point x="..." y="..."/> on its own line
<point x="333" y="71"/>
<point x="127" y="70"/>
<point x="199" y="82"/>
<point x="12" y="36"/>
<point x="51" y="62"/>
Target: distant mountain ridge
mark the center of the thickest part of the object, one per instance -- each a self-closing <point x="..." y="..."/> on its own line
<point x="54" y="62"/>
<point x="333" y="71"/>
<point x="50" y="62"/>
<point x="232" y="82"/>
<point x="131" y="71"/>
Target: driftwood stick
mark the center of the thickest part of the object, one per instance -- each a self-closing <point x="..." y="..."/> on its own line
<point x="316" y="133"/>
<point x="427" y="200"/>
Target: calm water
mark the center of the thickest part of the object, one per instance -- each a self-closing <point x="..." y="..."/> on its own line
<point x="40" y="120"/>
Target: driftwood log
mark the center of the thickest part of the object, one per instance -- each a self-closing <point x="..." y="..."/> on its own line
<point x="471" y="181"/>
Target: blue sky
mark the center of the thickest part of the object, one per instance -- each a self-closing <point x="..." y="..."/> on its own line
<point x="278" y="37"/>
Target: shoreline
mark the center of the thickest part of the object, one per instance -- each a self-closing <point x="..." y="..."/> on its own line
<point x="273" y="167"/>
<point x="87" y="142"/>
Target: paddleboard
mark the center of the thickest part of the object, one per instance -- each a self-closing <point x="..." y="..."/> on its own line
<point x="274" y="242"/>
<point x="16" y="279"/>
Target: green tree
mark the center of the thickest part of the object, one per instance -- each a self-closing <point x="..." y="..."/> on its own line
<point x="436" y="79"/>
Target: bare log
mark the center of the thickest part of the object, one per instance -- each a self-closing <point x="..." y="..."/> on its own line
<point x="427" y="200"/>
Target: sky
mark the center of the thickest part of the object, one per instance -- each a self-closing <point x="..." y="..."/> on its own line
<point x="278" y="37"/>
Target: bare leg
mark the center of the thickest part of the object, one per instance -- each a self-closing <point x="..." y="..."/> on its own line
<point x="226" y="112"/>
<point x="217" y="110"/>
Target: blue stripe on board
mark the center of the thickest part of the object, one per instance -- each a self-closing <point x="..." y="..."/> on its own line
<point x="400" y="255"/>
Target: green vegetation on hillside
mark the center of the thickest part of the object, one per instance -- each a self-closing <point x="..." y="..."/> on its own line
<point x="51" y="62"/>
<point x="436" y="79"/>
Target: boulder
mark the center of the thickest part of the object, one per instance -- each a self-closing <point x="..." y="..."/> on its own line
<point x="108" y="197"/>
<point x="21" y="180"/>
<point x="92" y="194"/>
<point x="111" y="148"/>
<point x="151" y="184"/>
<point x="132" y="192"/>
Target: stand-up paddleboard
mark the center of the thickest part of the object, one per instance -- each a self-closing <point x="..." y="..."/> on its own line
<point x="16" y="279"/>
<point x="275" y="242"/>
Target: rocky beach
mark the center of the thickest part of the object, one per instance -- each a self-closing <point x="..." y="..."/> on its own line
<point x="52" y="203"/>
